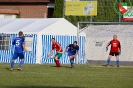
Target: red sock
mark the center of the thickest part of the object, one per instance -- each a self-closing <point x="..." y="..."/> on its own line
<point x="58" y="63"/>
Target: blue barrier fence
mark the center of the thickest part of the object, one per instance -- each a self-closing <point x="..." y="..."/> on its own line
<point x="30" y="56"/>
<point x="64" y="41"/>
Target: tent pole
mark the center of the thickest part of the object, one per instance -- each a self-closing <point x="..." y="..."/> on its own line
<point x="77" y="58"/>
<point x="38" y="48"/>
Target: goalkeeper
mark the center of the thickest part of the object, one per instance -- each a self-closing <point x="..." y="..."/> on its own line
<point x="115" y="50"/>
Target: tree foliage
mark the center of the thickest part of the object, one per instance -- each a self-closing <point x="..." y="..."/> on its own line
<point x="105" y="12"/>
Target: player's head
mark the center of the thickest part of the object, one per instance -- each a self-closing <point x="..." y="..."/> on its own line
<point x="115" y="37"/>
<point x="53" y="40"/>
<point x="20" y="33"/>
<point x="75" y="43"/>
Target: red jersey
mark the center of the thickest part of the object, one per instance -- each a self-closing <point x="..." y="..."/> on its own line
<point x="115" y="46"/>
<point x="57" y="46"/>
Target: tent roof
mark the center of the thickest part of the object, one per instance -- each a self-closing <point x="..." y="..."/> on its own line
<point x="50" y="26"/>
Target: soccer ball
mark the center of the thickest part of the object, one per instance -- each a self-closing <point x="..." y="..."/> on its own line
<point x="52" y="57"/>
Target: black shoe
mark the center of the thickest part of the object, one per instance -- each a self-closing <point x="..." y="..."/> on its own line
<point x="106" y="65"/>
<point x="118" y="66"/>
<point x="72" y="66"/>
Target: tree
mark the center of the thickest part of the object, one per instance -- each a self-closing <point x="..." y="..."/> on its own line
<point x="58" y="11"/>
<point x="105" y="12"/>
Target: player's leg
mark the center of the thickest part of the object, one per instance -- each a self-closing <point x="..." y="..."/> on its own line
<point x="21" y="57"/>
<point x="15" y="56"/>
<point x="109" y="58"/>
<point x="71" y="58"/>
<point x="117" y="59"/>
<point x="57" y="57"/>
<point x="72" y="61"/>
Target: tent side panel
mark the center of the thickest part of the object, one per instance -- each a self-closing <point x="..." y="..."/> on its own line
<point x="64" y="41"/>
<point x="7" y="53"/>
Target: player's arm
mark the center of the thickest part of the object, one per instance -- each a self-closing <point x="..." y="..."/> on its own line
<point x="51" y="51"/>
<point x="67" y="48"/>
<point x="119" y="46"/>
<point x="23" y="45"/>
<point x="108" y="45"/>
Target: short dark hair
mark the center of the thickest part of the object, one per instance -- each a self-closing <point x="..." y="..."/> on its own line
<point x="20" y="33"/>
<point x="75" y="42"/>
<point x="53" y="38"/>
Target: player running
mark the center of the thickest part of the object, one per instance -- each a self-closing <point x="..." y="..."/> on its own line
<point x="18" y="52"/>
<point x="72" y="52"/>
<point x="57" y="46"/>
<point x="115" y="50"/>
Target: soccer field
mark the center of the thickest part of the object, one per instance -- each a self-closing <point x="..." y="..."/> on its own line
<point x="82" y="76"/>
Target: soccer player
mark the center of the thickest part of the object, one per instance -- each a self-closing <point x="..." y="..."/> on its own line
<point x="57" y="46"/>
<point x="18" y="52"/>
<point x="72" y="50"/>
<point x="115" y="50"/>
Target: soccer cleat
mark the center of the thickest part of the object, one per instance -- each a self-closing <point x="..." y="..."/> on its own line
<point x="20" y="69"/>
<point x="106" y="65"/>
<point x="72" y="66"/>
<point x="11" y="69"/>
<point x="118" y="66"/>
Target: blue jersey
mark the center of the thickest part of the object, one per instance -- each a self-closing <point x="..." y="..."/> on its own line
<point x="18" y="42"/>
<point x="72" y="49"/>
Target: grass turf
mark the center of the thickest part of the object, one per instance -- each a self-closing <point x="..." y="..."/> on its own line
<point x="82" y="76"/>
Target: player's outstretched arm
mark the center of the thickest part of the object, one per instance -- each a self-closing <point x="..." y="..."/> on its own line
<point x="51" y="53"/>
<point x="66" y="49"/>
<point x="107" y="46"/>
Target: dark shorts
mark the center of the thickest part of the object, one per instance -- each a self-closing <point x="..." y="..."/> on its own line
<point x="71" y="54"/>
<point x="16" y="55"/>
<point x="114" y="53"/>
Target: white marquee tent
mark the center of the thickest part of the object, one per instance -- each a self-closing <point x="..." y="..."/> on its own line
<point x="40" y="31"/>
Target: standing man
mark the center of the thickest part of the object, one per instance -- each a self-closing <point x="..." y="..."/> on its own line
<point x="72" y="52"/>
<point x="115" y="50"/>
<point x="57" y="46"/>
<point x="18" y="52"/>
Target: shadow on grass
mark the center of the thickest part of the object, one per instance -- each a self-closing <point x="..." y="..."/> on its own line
<point x="61" y="66"/>
<point x="108" y="65"/>
<point x="7" y="68"/>
<point x="39" y="87"/>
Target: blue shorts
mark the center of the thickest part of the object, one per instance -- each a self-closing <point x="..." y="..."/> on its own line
<point x="71" y="54"/>
<point x="16" y="55"/>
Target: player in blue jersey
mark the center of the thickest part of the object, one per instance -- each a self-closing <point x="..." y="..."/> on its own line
<point x="18" y="52"/>
<point x="72" y="50"/>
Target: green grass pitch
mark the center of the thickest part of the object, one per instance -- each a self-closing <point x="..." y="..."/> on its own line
<point x="82" y="76"/>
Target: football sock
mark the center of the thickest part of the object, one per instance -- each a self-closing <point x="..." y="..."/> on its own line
<point x="12" y="64"/>
<point x="117" y="62"/>
<point x="108" y="61"/>
<point x="58" y="63"/>
<point x="20" y="64"/>
<point x="72" y="63"/>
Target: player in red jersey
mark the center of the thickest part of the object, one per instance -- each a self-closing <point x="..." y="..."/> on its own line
<point x="57" y="46"/>
<point x="115" y="49"/>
